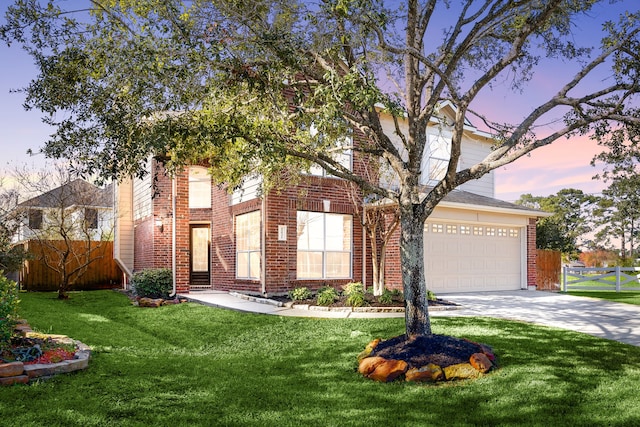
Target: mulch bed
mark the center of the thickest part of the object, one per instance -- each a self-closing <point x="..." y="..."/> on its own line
<point x="370" y="301"/>
<point x="441" y="350"/>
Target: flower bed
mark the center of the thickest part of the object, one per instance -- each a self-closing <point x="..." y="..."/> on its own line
<point x="33" y="355"/>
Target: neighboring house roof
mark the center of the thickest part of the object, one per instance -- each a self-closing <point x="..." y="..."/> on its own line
<point x="75" y="193"/>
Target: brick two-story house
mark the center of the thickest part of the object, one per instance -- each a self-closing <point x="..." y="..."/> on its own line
<point x="310" y="234"/>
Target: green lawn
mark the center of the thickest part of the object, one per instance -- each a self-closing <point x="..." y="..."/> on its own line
<point x="628" y="297"/>
<point x="190" y="365"/>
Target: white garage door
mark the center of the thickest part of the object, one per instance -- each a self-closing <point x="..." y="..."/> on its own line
<point x="465" y="258"/>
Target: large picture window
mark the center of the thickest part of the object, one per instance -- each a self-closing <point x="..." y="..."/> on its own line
<point x="324" y="245"/>
<point x="248" y="246"/>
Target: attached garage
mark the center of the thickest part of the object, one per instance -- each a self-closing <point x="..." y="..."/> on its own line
<point x="465" y="257"/>
<point x="474" y="243"/>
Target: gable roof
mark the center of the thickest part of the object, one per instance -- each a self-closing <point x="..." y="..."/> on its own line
<point x="460" y="199"/>
<point x="465" y="200"/>
<point x="74" y="193"/>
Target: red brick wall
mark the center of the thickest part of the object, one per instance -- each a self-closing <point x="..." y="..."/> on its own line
<point x="393" y="267"/>
<point x="281" y="256"/>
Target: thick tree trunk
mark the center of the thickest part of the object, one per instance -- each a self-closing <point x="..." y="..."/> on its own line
<point x="413" y="278"/>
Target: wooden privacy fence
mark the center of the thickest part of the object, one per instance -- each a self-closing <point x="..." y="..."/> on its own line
<point x="601" y="278"/>
<point x="548" y="269"/>
<point x="102" y="273"/>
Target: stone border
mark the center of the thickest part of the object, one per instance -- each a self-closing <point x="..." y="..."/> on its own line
<point x="19" y="373"/>
<point x="337" y="309"/>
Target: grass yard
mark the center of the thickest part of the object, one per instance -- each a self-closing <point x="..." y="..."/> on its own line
<point x="190" y="365"/>
<point x="629" y="297"/>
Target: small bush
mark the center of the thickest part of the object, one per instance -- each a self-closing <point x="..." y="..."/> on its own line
<point x="300" y="294"/>
<point x="326" y="295"/>
<point x="354" y="292"/>
<point x="397" y="293"/>
<point x="152" y="283"/>
<point x="8" y="309"/>
<point x="431" y="296"/>
<point x="353" y="288"/>
<point x="386" y="297"/>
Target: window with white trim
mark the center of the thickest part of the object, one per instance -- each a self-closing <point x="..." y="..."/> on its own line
<point x="324" y="245"/>
<point x="513" y="232"/>
<point x="478" y="231"/>
<point x="465" y="229"/>
<point x="439" y="154"/>
<point x="452" y="229"/>
<point x="248" y="246"/>
<point x="437" y="228"/>
<point x="199" y="187"/>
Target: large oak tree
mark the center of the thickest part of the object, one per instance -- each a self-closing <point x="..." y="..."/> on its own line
<point x="242" y="84"/>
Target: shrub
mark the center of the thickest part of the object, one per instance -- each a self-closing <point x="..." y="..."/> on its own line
<point x="8" y="309"/>
<point x="397" y="293"/>
<point x="386" y="297"/>
<point x="326" y="295"/>
<point x="300" y="294"/>
<point x="152" y="283"/>
<point x="431" y="296"/>
<point x="353" y="288"/>
<point x="354" y="292"/>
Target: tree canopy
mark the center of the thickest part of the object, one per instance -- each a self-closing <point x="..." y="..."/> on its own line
<point x="242" y="85"/>
<point x="572" y="219"/>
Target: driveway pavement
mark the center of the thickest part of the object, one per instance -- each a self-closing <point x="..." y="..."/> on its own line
<point x="604" y="319"/>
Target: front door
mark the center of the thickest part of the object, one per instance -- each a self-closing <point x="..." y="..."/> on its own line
<point x="200" y="276"/>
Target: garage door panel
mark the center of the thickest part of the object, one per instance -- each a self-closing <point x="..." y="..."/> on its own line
<point x="456" y="262"/>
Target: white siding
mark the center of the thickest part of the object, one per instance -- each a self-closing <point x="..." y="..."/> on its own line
<point x="249" y="190"/>
<point x="142" y="195"/>
<point x="474" y="150"/>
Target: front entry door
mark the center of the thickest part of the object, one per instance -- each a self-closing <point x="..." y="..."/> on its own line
<point x="200" y="276"/>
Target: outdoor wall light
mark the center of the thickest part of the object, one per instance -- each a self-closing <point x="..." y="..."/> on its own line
<point x="159" y="225"/>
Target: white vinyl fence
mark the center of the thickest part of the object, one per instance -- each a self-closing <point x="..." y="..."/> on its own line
<point x="600" y="278"/>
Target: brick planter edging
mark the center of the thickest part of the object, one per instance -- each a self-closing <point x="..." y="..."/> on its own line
<point x="19" y="373"/>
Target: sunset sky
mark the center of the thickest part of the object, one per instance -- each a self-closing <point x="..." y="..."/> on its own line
<point x="564" y="164"/>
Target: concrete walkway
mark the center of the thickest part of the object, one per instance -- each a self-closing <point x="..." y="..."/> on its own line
<point x="604" y="319"/>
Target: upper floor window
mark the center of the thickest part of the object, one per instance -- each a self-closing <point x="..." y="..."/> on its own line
<point x="199" y="187"/>
<point x="35" y="219"/>
<point x="439" y="153"/>
<point x="91" y="218"/>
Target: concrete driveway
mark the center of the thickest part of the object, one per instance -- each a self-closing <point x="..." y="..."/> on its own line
<point x="604" y="319"/>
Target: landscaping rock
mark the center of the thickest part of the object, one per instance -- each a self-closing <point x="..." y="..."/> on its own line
<point x="11" y="369"/>
<point x="429" y="373"/>
<point x="22" y="330"/>
<point x="368" y="349"/>
<point x="488" y="351"/>
<point x="481" y="362"/>
<point x="19" y="379"/>
<point x="369" y="364"/>
<point x="149" y="302"/>
<point x="460" y="371"/>
<point x="388" y="370"/>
